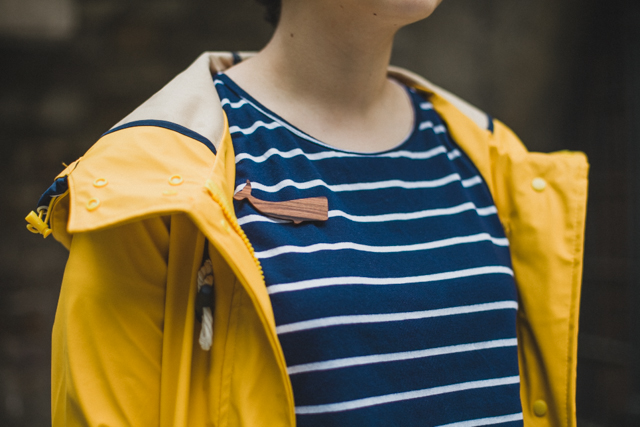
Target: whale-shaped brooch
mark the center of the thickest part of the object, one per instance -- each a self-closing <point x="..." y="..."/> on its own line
<point x="297" y="210"/>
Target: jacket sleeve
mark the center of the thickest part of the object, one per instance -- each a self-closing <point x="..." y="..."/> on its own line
<point x="108" y="331"/>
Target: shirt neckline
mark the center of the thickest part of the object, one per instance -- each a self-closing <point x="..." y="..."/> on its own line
<point x="234" y="87"/>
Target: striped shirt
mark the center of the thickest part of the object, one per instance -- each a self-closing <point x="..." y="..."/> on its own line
<point x="400" y="309"/>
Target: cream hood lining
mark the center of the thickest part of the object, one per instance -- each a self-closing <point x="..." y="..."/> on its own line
<point x="191" y="101"/>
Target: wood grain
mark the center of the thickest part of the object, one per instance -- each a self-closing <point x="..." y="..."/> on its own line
<point x="298" y="210"/>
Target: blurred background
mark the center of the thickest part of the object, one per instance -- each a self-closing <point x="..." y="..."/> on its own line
<point x="563" y="74"/>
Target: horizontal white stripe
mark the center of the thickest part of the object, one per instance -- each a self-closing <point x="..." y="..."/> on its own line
<point x="425" y="125"/>
<point x="361" y="186"/>
<point x="338" y="246"/>
<point x="419" y="155"/>
<point x="489" y="210"/>
<point x="238" y="104"/>
<point x="486" y="421"/>
<point x="466" y="183"/>
<point x="430" y="125"/>
<point x="408" y="395"/>
<point x="396" y="357"/>
<point x="384" y="281"/>
<point x="408" y="216"/>
<point x="287" y="125"/>
<point x="428" y="213"/>
<point x="453" y="154"/>
<point x="251" y="129"/>
<point x="393" y="317"/>
<point x="247" y="219"/>
<point x="426" y="106"/>
<point x="292" y="153"/>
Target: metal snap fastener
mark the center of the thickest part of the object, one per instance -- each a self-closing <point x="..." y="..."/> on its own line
<point x="540" y="408"/>
<point x="100" y="182"/>
<point x="176" y="180"/>
<point x="93" y="204"/>
<point x="538" y="184"/>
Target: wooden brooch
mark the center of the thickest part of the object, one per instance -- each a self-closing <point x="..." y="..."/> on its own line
<point x="309" y="209"/>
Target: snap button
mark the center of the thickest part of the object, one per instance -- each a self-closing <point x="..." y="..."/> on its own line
<point x="539" y="184"/>
<point x="93" y="204"/>
<point x="507" y="228"/>
<point x="540" y="408"/>
<point x="176" y="180"/>
<point x="100" y="182"/>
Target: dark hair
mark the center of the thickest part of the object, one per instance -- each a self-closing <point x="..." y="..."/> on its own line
<point x="272" y="14"/>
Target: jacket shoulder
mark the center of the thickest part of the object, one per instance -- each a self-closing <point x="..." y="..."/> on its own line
<point x="463" y="117"/>
<point x="128" y="174"/>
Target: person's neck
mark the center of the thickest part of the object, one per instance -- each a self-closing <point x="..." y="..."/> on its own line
<point x="328" y="76"/>
<point x="345" y="70"/>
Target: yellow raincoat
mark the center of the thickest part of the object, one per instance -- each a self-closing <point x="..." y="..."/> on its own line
<point x="138" y="208"/>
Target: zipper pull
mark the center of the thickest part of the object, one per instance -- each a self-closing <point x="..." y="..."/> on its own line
<point x="37" y="224"/>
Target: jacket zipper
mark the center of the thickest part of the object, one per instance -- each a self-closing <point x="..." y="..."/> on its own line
<point x="216" y="194"/>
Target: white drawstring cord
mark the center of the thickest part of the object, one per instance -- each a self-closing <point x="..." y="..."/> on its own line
<point x="205" y="277"/>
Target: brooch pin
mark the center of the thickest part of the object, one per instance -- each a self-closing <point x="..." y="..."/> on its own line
<point x="298" y="210"/>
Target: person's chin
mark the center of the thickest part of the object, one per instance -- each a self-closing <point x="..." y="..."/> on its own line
<point x="405" y="11"/>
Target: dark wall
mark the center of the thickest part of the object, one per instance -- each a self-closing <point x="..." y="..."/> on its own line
<point x="563" y="75"/>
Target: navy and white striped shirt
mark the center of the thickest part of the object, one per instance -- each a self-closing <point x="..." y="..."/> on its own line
<point x="401" y="308"/>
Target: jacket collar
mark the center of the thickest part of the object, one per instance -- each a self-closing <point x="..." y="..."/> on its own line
<point x="190" y="101"/>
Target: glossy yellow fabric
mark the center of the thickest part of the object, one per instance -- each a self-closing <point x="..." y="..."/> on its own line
<point x="546" y="237"/>
<point x="125" y="348"/>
